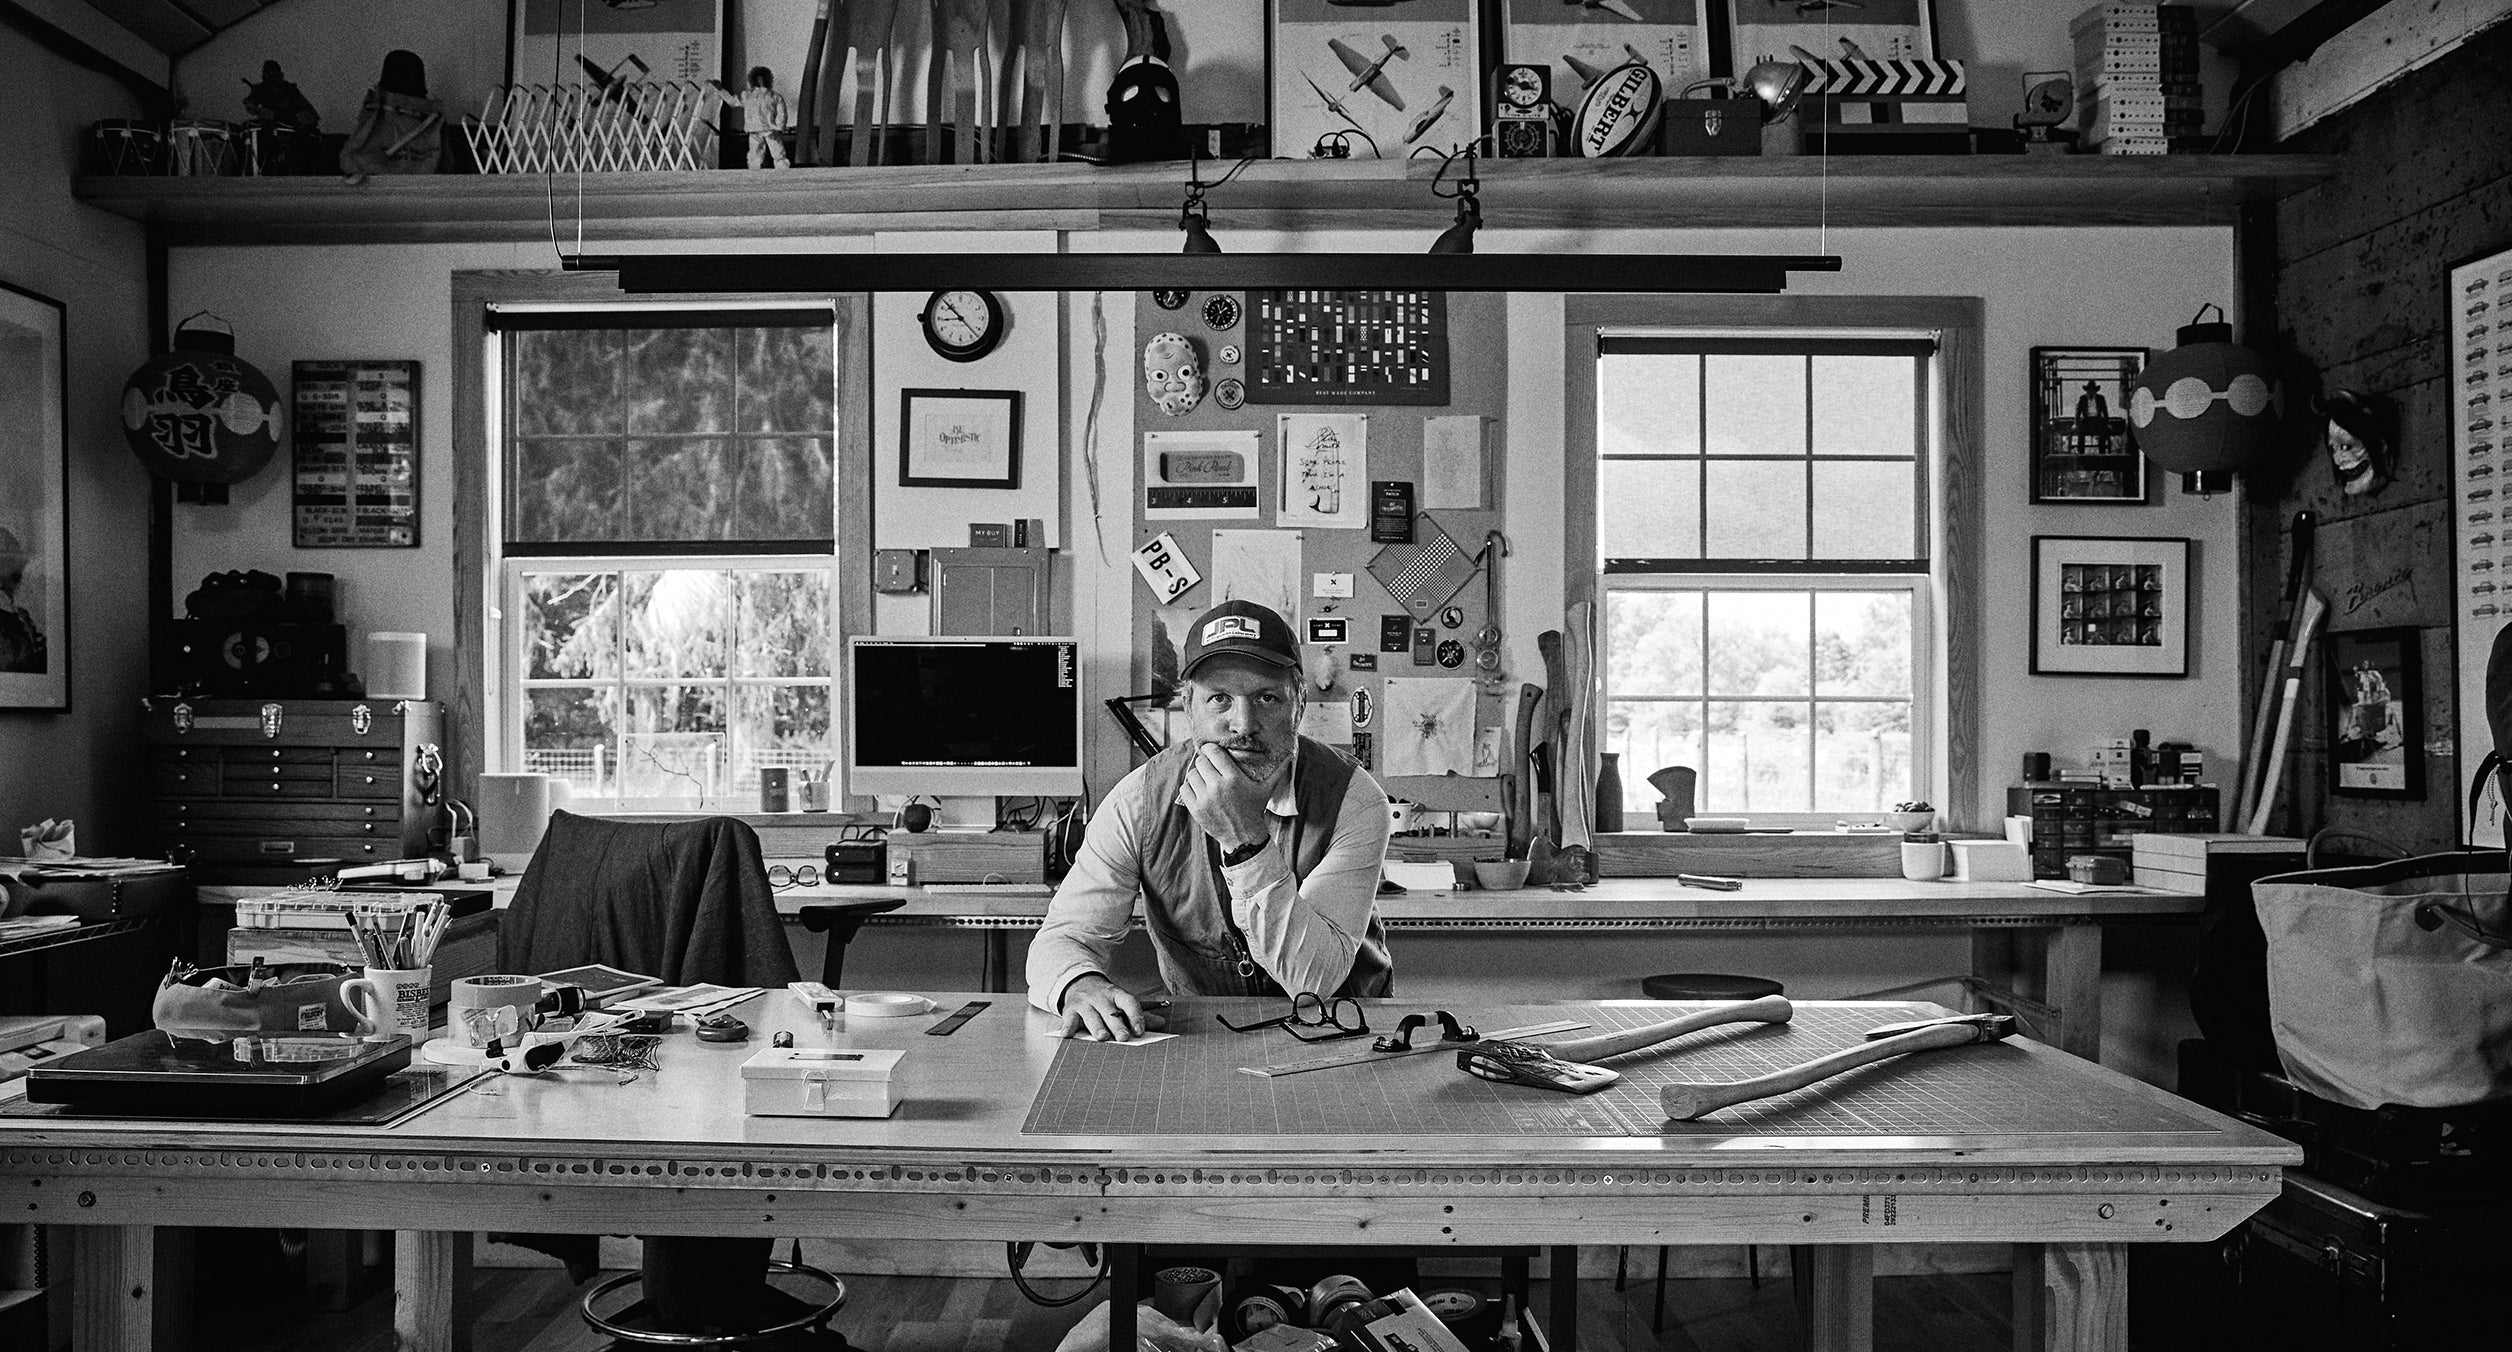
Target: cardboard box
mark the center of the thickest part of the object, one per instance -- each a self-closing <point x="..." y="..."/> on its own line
<point x="2178" y="863"/>
<point x="820" y="1082"/>
<point x="1990" y="861"/>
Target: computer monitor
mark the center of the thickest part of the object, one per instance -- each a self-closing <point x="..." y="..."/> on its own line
<point x="966" y="716"/>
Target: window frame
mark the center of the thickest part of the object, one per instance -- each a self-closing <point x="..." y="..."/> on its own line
<point x="1946" y="667"/>
<point x="482" y="703"/>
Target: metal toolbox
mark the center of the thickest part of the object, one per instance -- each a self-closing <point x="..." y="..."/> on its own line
<point x="241" y="784"/>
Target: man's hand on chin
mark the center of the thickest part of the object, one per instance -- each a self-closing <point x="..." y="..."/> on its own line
<point x="1226" y="801"/>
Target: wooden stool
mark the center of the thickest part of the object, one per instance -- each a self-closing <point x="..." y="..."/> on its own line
<point x="1698" y="986"/>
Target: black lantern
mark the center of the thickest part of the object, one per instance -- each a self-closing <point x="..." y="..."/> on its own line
<point x="200" y="415"/>
<point x="2205" y="409"/>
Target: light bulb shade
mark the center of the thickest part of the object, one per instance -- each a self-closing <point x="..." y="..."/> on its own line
<point x="1777" y="85"/>
<point x="1198" y="238"/>
<point x="1459" y="238"/>
<point x="2206" y="406"/>
<point x="200" y="414"/>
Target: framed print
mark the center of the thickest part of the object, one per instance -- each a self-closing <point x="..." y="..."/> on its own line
<point x="2110" y="607"/>
<point x="34" y="503"/>
<point x="654" y="40"/>
<point x="1885" y="30"/>
<point x="2377" y="713"/>
<point x="959" y="438"/>
<point x="2082" y="449"/>
<point x="1671" y="36"/>
<point x="1378" y="81"/>
<point x="355" y="439"/>
<point x="2479" y="317"/>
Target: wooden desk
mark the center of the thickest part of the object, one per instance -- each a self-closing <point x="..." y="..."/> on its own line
<point x="673" y="1153"/>
<point x="2044" y="945"/>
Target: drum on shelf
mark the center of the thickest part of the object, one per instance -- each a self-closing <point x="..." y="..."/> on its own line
<point x="270" y="149"/>
<point x="201" y="147"/>
<point x="124" y="145"/>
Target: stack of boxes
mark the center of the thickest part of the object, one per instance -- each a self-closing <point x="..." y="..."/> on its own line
<point x="2136" y="76"/>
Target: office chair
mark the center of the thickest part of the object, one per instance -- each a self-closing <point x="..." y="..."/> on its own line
<point x="689" y="902"/>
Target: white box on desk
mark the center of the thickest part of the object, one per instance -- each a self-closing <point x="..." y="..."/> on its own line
<point x="819" y="1082"/>
<point x="1990" y="861"/>
<point x="2177" y="862"/>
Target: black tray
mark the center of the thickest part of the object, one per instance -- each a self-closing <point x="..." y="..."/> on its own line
<point x="274" y="1074"/>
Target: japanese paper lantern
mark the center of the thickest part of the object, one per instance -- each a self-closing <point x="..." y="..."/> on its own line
<point x="2204" y="408"/>
<point x="200" y="414"/>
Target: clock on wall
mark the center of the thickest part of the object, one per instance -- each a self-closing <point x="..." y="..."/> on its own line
<point x="963" y="325"/>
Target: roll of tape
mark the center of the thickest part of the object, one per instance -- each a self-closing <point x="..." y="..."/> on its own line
<point x="1468" y="1314"/>
<point x="1186" y="1294"/>
<point x="1259" y="1307"/>
<point x="476" y="1001"/>
<point x="1332" y="1296"/>
<point x="887" y="1005"/>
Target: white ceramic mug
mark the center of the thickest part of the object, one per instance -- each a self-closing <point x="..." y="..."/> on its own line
<point x="494" y="1006"/>
<point x="393" y="999"/>
<point x="1922" y="861"/>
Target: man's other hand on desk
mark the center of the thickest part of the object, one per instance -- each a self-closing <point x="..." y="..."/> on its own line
<point x="1100" y="1010"/>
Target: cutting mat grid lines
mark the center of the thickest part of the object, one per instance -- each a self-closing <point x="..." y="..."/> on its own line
<point x="1192" y="1085"/>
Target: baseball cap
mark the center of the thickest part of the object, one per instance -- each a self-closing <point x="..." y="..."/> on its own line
<point x="1245" y="629"/>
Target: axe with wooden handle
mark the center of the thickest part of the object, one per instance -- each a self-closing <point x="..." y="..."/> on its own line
<point x="1684" y="1102"/>
<point x="1561" y="1065"/>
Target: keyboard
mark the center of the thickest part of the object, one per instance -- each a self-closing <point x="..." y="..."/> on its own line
<point x="988" y="889"/>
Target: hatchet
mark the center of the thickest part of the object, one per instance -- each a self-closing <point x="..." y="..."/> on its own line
<point x="1562" y="1065"/>
<point x="1684" y="1102"/>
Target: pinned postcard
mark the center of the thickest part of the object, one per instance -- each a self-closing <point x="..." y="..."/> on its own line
<point x="1429" y="726"/>
<point x="1327" y="721"/>
<point x="1325" y="469"/>
<point x="1262" y="566"/>
<point x="1452" y="462"/>
<point x="1165" y="568"/>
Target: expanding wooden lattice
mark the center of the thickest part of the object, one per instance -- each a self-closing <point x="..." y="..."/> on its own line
<point x="622" y="127"/>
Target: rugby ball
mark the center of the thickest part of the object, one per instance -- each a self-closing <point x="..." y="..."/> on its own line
<point x="1619" y="113"/>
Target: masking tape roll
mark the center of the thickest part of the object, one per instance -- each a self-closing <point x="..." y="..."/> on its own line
<point x="1468" y="1314"/>
<point x="887" y="1005"/>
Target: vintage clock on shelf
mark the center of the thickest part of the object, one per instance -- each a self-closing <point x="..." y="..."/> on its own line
<point x="963" y="325"/>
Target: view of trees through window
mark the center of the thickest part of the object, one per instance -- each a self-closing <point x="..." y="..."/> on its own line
<point x="1762" y="541"/>
<point x="669" y="539"/>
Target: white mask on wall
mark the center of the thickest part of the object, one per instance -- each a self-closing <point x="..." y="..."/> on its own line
<point x="1173" y="374"/>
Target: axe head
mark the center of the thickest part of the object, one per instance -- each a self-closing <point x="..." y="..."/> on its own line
<point x="1990" y="1027"/>
<point x="1529" y="1064"/>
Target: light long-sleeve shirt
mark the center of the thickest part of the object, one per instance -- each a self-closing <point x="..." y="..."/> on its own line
<point x="1304" y="933"/>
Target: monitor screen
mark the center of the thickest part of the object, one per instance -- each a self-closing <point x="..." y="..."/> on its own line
<point x="966" y="716"/>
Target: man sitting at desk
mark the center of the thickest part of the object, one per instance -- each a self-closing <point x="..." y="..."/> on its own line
<point x="1256" y="851"/>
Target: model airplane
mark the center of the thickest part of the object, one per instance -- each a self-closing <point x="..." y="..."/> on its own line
<point x="1369" y="74"/>
<point x="1433" y="113"/>
<point x="1621" y="8"/>
<point x="1333" y="105"/>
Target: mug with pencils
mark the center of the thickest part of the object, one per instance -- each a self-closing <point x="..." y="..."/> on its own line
<point x="394" y="999"/>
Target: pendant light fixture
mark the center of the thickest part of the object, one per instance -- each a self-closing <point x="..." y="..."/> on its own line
<point x="1459" y="238"/>
<point x="1194" y="217"/>
<point x="2205" y="409"/>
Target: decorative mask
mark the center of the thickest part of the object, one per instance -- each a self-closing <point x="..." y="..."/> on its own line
<point x="2361" y="438"/>
<point x="1173" y="373"/>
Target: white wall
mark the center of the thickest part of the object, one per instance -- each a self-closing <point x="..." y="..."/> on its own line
<point x="80" y="764"/>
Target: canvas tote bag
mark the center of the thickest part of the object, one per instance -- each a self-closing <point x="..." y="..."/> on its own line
<point x="2393" y="983"/>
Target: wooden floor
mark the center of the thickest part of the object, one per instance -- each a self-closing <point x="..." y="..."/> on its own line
<point x="533" y="1310"/>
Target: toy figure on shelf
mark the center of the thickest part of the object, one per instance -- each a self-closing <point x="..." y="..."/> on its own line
<point x="275" y="99"/>
<point x="765" y="115"/>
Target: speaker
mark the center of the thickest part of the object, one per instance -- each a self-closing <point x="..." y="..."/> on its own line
<point x="514" y="810"/>
<point x="396" y="666"/>
<point x="2036" y="766"/>
<point x="260" y="657"/>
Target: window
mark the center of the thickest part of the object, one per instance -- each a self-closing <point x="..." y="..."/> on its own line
<point x="1762" y="530"/>
<point x="667" y="527"/>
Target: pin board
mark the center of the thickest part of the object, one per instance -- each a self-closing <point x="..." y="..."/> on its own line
<point x="1344" y="605"/>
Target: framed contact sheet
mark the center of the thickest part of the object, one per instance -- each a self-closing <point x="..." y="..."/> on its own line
<point x="354" y="438"/>
<point x="2480" y="321"/>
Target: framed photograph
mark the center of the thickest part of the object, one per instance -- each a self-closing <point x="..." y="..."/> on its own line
<point x="1671" y="35"/>
<point x="34" y="503"/>
<point x="2110" y="607"/>
<point x="1381" y="82"/>
<point x="959" y="438"/>
<point x="1886" y="30"/>
<point x="560" y="41"/>
<point x="355" y="439"/>
<point x="2082" y="449"/>
<point x="2376" y="713"/>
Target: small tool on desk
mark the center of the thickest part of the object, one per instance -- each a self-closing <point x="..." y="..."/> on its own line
<point x="1561" y="1065"/>
<point x="950" y="1023"/>
<point x="1684" y="1102"/>
<point x="1710" y="881"/>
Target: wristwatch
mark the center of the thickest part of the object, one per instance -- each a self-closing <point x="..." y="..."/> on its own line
<point x="1243" y="853"/>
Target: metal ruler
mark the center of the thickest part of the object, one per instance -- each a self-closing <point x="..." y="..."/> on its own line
<point x="1365" y="1056"/>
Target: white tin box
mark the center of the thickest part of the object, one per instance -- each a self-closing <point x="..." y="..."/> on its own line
<point x="819" y="1082"/>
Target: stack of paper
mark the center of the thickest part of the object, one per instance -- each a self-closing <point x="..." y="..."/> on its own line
<point x="2136" y="76"/>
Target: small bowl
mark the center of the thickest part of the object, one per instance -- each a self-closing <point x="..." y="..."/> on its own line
<point x="1500" y="875"/>
<point x="1910" y="821"/>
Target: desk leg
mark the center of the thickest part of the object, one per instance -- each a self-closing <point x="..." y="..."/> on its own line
<point x="130" y="1288"/>
<point x="1562" y="1277"/>
<point x="2071" y="978"/>
<point x="994" y="966"/>
<point x="2071" y="1298"/>
<point x="1835" y="1288"/>
<point x="432" y="1290"/>
<point x="1125" y="1286"/>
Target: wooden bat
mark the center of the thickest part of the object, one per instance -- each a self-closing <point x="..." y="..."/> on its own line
<point x="1684" y="1102"/>
<point x="807" y="99"/>
<point x="1562" y="1065"/>
<point x="2297" y="574"/>
<point x="2298" y="658"/>
<point x="1522" y="792"/>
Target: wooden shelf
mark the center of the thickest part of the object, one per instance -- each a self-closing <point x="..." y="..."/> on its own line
<point x="1929" y="190"/>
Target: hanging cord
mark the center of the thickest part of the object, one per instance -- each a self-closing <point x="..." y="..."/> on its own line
<point x="1090" y="425"/>
<point x="1016" y="1256"/>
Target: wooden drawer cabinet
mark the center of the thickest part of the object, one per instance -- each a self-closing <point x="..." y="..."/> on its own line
<point x="240" y="785"/>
